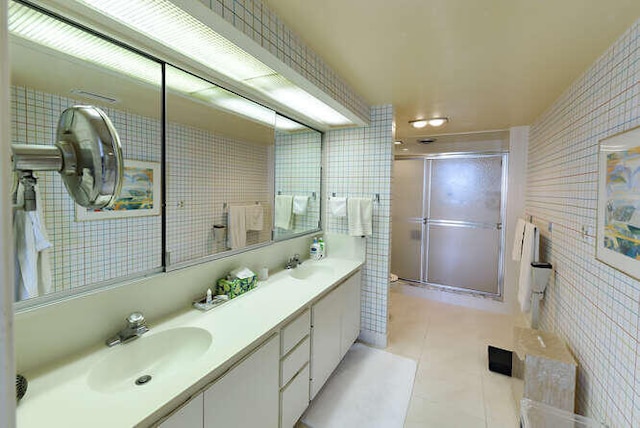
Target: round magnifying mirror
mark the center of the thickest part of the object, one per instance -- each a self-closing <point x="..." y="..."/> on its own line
<point x="92" y="156"/>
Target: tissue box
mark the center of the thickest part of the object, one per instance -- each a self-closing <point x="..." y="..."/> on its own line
<point x="234" y="288"/>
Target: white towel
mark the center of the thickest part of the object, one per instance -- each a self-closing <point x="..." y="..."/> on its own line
<point x="254" y="217"/>
<point x="360" y="216"/>
<point x="529" y="254"/>
<point x="283" y="211"/>
<point x="237" y="227"/>
<point x="300" y="204"/>
<point x="516" y="253"/>
<point x="33" y="271"/>
<point x="338" y="207"/>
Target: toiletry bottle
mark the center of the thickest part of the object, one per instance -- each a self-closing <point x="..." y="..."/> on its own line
<point x="314" y="250"/>
<point x="321" y="248"/>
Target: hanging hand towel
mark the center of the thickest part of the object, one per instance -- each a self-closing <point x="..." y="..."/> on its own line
<point x="300" y="204"/>
<point x="516" y="253"/>
<point x="338" y="207"/>
<point x="528" y="255"/>
<point x="237" y="227"/>
<point x="360" y="216"/>
<point x="33" y="273"/>
<point x="283" y="211"/>
<point x="254" y="217"/>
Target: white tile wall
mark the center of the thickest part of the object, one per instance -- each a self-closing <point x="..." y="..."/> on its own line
<point x="257" y="21"/>
<point x="358" y="163"/>
<point x="592" y="306"/>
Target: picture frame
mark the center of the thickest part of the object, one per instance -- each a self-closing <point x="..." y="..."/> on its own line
<point x="618" y="209"/>
<point x="139" y="197"/>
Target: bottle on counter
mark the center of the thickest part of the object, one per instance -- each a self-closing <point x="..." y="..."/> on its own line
<point x="314" y="250"/>
<point x="321" y="245"/>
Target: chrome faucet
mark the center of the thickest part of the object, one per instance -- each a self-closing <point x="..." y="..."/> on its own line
<point x="293" y="262"/>
<point x="136" y="327"/>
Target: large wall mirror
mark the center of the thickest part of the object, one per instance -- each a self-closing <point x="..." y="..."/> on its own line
<point x="227" y="163"/>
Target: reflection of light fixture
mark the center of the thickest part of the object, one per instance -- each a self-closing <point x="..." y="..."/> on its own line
<point x="397" y="143"/>
<point x="435" y="122"/>
<point x="405" y="150"/>
<point x="36" y="27"/>
<point x="166" y="23"/>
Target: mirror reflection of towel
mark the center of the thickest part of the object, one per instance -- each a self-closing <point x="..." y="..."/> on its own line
<point x="300" y="204"/>
<point x="237" y="234"/>
<point x="283" y="211"/>
<point x="254" y="217"/>
<point x="33" y="270"/>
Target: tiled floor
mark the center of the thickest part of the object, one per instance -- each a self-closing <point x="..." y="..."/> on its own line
<point x="453" y="387"/>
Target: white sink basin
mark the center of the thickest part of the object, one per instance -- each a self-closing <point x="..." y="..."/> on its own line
<point x="306" y="271"/>
<point x="158" y="355"/>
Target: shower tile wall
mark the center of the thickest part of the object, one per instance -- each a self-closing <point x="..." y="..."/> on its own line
<point x="297" y="158"/>
<point x="85" y="252"/>
<point x="257" y="21"/>
<point x="199" y="161"/>
<point x="93" y="251"/>
<point x="358" y="163"/>
<point x="592" y="306"/>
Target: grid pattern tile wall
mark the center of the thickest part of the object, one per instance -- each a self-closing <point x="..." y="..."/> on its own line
<point x="592" y="306"/>
<point x="86" y="252"/>
<point x="198" y="161"/>
<point x="358" y="163"/>
<point x="257" y="21"/>
<point x="298" y="159"/>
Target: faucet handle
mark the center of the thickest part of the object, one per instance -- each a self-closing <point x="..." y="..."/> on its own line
<point x="136" y="319"/>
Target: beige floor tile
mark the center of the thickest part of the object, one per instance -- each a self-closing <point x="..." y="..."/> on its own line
<point x="498" y="397"/>
<point x="424" y="413"/>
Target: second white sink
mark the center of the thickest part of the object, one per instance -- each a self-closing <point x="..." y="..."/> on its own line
<point x="156" y="355"/>
<point x="307" y="270"/>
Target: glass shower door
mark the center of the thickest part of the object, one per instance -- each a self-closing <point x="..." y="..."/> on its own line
<point x="465" y="224"/>
<point x="408" y="217"/>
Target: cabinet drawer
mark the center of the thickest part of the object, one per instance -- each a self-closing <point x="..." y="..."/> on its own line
<point x="294" y="399"/>
<point x="294" y="361"/>
<point x="293" y="332"/>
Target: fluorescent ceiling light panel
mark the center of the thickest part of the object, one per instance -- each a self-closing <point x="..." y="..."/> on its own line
<point x="31" y="25"/>
<point x="165" y="23"/>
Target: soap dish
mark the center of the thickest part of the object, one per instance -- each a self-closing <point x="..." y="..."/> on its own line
<point x="202" y="305"/>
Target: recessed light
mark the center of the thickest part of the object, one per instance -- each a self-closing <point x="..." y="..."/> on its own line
<point x="427" y="140"/>
<point x="420" y="123"/>
<point x="405" y="150"/>
<point x="397" y="143"/>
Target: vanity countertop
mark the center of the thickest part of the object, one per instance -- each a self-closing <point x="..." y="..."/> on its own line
<point x="61" y="395"/>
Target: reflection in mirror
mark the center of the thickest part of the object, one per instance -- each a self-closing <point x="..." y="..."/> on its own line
<point x="63" y="246"/>
<point x="219" y="169"/>
<point x="298" y="161"/>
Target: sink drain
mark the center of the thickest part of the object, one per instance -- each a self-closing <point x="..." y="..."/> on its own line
<point x="143" y="379"/>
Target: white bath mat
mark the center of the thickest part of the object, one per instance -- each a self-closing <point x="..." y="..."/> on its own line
<point x="370" y="388"/>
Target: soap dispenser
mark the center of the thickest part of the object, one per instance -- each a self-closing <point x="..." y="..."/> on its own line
<point x="314" y="250"/>
<point x="321" y="248"/>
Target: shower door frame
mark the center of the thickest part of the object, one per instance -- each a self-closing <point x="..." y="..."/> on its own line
<point x="426" y="197"/>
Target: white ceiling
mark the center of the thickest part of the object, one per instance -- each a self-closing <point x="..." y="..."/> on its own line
<point x="486" y="64"/>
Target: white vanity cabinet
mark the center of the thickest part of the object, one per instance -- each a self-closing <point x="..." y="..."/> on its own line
<point x="189" y="415"/>
<point x="247" y="395"/>
<point x="335" y="325"/>
<point x="295" y="347"/>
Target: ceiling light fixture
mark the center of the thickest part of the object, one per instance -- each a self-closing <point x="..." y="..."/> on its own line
<point x="437" y="121"/>
<point x="166" y="23"/>
<point x="434" y="121"/>
<point x="397" y="143"/>
<point x="420" y="123"/>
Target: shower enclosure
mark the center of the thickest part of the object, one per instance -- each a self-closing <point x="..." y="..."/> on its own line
<point x="448" y="213"/>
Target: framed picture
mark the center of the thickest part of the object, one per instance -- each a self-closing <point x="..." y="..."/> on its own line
<point x="140" y="194"/>
<point x="618" y="220"/>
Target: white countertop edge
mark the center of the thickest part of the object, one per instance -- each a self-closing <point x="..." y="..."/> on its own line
<point x="59" y="394"/>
